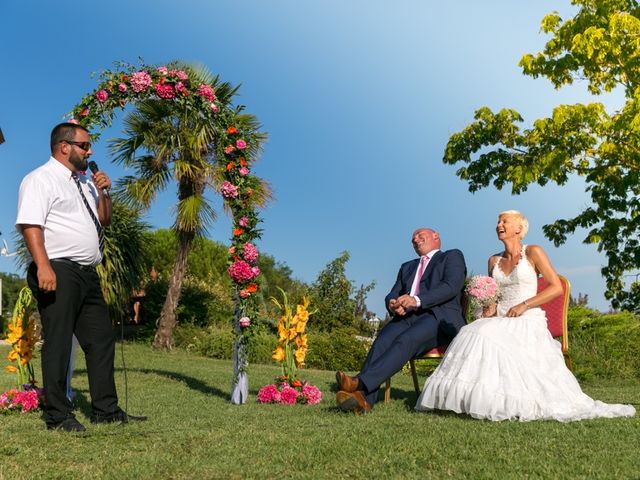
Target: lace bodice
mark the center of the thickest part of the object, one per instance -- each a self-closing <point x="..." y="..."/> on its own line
<point x="521" y="284"/>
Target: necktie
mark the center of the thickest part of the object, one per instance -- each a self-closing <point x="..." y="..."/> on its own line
<point x="416" y="283"/>
<point x="96" y="222"/>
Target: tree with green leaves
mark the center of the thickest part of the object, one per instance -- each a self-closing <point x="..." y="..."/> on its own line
<point x="336" y="301"/>
<point x="165" y="142"/>
<point x="600" y="44"/>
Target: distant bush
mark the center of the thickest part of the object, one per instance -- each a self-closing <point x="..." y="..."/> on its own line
<point x="338" y="350"/>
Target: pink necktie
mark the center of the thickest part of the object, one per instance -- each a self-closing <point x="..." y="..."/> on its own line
<point x="416" y="283"/>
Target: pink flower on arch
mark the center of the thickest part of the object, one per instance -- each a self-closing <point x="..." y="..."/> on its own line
<point x="241" y="144"/>
<point x="165" y="91"/>
<point x="241" y="272"/>
<point x="244" y="322"/>
<point x="206" y="92"/>
<point x="228" y="190"/>
<point x="163" y="70"/>
<point x="243" y="222"/>
<point x="122" y="87"/>
<point x="180" y="88"/>
<point x="179" y="74"/>
<point x="244" y="171"/>
<point x="140" y="81"/>
<point x="228" y="149"/>
<point x="102" y="96"/>
<point x="250" y="252"/>
<point x="214" y="107"/>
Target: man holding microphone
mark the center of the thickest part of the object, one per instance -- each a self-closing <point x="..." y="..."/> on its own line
<point x="61" y="213"/>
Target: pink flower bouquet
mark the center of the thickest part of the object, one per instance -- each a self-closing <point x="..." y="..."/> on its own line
<point x="286" y="392"/>
<point x="482" y="291"/>
<point x="21" y="400"/>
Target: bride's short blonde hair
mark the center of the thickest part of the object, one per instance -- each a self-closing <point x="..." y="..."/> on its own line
<point x="524" y="223"/>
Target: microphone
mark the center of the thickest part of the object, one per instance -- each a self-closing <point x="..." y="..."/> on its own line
<point x="93" y="166"/>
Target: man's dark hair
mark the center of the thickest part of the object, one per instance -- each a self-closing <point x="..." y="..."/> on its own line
<point x="64" y="132"/>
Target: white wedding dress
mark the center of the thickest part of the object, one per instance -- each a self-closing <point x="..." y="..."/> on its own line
<point x="511" y="368"/>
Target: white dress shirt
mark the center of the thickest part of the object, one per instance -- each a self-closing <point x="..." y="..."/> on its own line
<point x="49" y="197"/>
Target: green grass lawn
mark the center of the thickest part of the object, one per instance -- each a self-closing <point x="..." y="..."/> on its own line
<point x="194" y="432"/>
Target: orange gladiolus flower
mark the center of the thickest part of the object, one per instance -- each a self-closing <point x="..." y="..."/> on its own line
<point x="13" y="355"/>
<point x="84" y="112"/>
<point x="278" y="354"/>
<point x="301" y="312"/>
<point x="230" y="165"/>
<point x="252" y="287"/>
<point x="232" y="130"/>
<point x="243" y="162"/>
<point x="296" y="383"/>
<point x="292" y="333"/>
<point x="237" y="232"/>
<point x="11" y="369"/>
<point x="300" y="354"/>
<point x="301" y="342"/>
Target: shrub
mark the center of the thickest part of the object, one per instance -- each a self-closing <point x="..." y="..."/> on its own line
<point x="336" y="350"/>
<point x="604" y="345"/>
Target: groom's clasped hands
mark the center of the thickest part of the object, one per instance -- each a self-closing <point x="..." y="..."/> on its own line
<point x="402" y="304"/>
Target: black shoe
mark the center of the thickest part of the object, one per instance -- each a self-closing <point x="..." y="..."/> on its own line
<point x="69" y="424"/>
<point x="119" y="416"/>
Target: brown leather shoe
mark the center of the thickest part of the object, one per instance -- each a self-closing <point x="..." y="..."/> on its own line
<point x="345" y="382"/>
<point x="352" y="402"/>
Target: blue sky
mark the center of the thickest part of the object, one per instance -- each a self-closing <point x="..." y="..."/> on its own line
<point x="358" y="97"/>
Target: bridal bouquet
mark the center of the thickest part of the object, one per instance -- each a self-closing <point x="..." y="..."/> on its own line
<point x="482" y="291"/>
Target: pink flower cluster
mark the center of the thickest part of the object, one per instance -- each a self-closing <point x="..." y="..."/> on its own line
<point x="15" y="399"/>
<point x="140" y="81"/>
<point x="250" y="252"/>
<point x="165" y="91"/>
<point x="287" y="395"/>
<point x="243" y="222"/>
<point x="179" y="74"/>
<point x="102" y="95"/>
<point x="229" y="190"/>
<point x="241" y="272"/>
<point x="244" y="322"/>
<point x="206" y="92"/>
<point x="482" y="290"/>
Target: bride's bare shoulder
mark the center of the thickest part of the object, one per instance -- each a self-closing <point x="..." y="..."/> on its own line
<point x="493" y="259"/>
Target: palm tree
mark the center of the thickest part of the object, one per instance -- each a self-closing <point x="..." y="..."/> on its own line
<point x="168" y="141"/>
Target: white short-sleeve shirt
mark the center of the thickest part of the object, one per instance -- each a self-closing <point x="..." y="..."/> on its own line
<point x="49" y="197"/>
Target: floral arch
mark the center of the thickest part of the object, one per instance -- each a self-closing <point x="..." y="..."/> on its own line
<point x="235" y="147"/>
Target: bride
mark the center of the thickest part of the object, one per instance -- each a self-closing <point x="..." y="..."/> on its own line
<point x="506" y="366"/>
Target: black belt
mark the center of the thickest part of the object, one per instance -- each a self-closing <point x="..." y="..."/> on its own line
<point x="85" y="268"/>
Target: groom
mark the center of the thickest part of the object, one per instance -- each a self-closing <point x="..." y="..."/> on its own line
<point x="426" y="312"/>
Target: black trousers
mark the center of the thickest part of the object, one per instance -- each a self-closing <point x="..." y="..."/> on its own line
<point x="77" y="306"/>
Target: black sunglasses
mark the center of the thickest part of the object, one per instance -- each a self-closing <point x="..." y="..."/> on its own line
<point x="83" y="145"/>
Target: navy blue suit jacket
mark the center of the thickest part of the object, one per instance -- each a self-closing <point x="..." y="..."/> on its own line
<point x="441" y="289"/>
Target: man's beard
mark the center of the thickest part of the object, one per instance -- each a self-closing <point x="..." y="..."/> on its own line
<point x="78" y="161"/>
